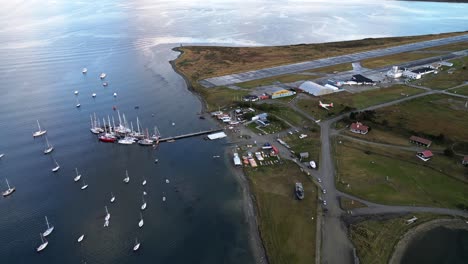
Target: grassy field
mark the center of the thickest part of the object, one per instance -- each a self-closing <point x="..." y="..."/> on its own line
<point x="334" y="68"/>
<point x="287" y="225"/>
<point x="309" y="144"/>
<point x="348" y="204"/>
<point x="381" y="136"/>
<point x="429" y="116"/>
<point x="345" y="102"/>
<point x="375" y="240"/>
<point x="287" y="78"/>
<point x="395" y="59"/>
<point x="391" y="176"/>
<point x="219" y="97"/>
<point x="275" y="126"/>
<point x="462" y="90"/>
<point x="444" y="79"/>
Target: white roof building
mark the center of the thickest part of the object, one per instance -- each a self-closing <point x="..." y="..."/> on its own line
<point x="217" y="135"/>
<point x="315" y="89"/>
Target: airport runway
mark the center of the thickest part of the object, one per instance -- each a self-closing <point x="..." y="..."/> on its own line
<point x="319" y="63"/>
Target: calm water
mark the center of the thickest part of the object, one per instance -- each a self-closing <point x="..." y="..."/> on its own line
<point x="439" y="245"/>
<point x="44" y="45"/>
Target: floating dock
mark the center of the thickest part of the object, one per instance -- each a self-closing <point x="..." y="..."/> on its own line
<point x="190" y="135"/>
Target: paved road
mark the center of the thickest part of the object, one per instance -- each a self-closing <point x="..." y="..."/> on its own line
<point x="384" y="209"/>
<point x="308" y="65"/>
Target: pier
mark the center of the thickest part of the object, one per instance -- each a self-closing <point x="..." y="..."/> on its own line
<point x="191" y="135"/>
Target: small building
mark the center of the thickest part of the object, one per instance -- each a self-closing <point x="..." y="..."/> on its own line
<point x="465" y="161"/>
<point x="420" y="141"/>
<point x="359" y="128"/>
<point x="304" y="155"/>
<point x="423" y="70"/>
<point x="395" y="72"/>
<point x="217" y="135"/>
<point x="411" y="75"/>
<point x="262" y="116"/>
<point x="425" y="155"/>
<point x="360" y="80"/>
<point x="280" y="92"/>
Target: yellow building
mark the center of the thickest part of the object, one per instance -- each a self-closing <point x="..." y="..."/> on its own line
<point x="280" y="92"/>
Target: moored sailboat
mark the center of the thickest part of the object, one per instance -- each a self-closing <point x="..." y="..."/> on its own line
<point x="127" y="178"/>
<point x="80" y="238"/>
<point x="49" y="228"/>
<point x="8" y="191"/>
<point x="78" y="176"/>
<point x="39" y="132"/>
<point x="137" y="245"/>
<point x="112" y="198"/>
<point x="49" y="148"/>
<point x="143" y="206"/>
<point x="43" y="244"/>
<point x="57" y="166"/>
<point x="141" y="222"/>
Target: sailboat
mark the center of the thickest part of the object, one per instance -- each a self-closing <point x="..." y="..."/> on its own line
<point x="80" y="238"/>
<point x="43" y="245"/>
<point x="106" y="223"/>
<point x="77" y="103"/>
<point x="49" y="228"/>
<point x="9" y="190"/>
<point x="39" y="132"/>
<point x="141" y="223"/>
<point x="102" y="75"/>
<point x="1" y="155"/>
<point x="107" y="218"/>
<point x="143" y="206"/>
<point x="57" y="167"/>
<point x="78" y="176"/>
<point x="144" y="181"/>
<point x="84" y="71"/>
<point x="126" y="179"/>
<point x="112" y="198"/>
<point x="137" y="245"/>
<point x="146" y="141"/>
<point x="49" y="147"/>
<point x="84" y="185"/>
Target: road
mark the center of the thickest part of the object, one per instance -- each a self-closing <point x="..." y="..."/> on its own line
<point x="336" y="246"/>
<point x="319" y="63"/>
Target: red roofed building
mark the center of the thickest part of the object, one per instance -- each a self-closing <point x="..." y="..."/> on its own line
<point x="420" y="141"/>
<point x="465" y="161"/>
<point x="359" y="128"/>
<point x="425" y="155"/>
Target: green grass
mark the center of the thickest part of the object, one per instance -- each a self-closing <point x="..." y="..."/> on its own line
<point x="375" y="240"/>
<point x="309" y="144"/>
<point x="410" y="181"/>
<point x="462" y="90"/>
<point x="286" y="224"/>
<point x="428" y="116"/>
<point x="349" y="204"/>
<point x="275" y="126"/>
<point x="287" y="78"/>
<point x="450" y="47"/>
<point x="334" y="68"/>
<point x="345" y="102"/>
<point x="395" y="59"/>
<point x="444" y="79"/>
<point x="219" y="97"/>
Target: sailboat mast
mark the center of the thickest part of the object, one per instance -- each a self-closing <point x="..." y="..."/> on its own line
<point x="120" y="120"/>
<point x="39" y="126"/>
<point x="47" y="221"/>
<point x="110" y="128"/>
<point x="104" y="122"/>
<point x="138" y="125"/>
<point x="7" y="183"/>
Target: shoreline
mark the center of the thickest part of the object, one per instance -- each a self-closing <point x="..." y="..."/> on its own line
<point x="248" y="207"/>
<point x="414" y="233"/>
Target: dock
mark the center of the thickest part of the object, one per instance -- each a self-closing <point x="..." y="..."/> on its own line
<point x="191" y="135"/>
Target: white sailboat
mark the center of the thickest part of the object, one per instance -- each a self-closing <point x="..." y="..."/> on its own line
<point x="57" y="166"/>
<point x="112" y="198"/>
<point x="80" y="238"/>
<point x="93" y="95"/>
<point x="137" y="245"/>
<point x="49" y="228"/>
<point x="49" y="147"/>
<point x="1" y="155"/>
<point x="144" y="181"/>
<point x="84" y="71"/>
<point x="102" y="75"/>
<point x="143" y="206"/>
<point x="77" y="103"/>
<point x="107" y="218"/>
<point x="43" y="244"/>
<point x="8" y="191"/>
<point x="141" y="223"/>
<point x="76" y="92"/>
<point x="39" y="132"/>
<point x="78" y="176"/>
<point x="127" y="178"/>
<point x="84" y="185"/>
<point x="106" y="223"/>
